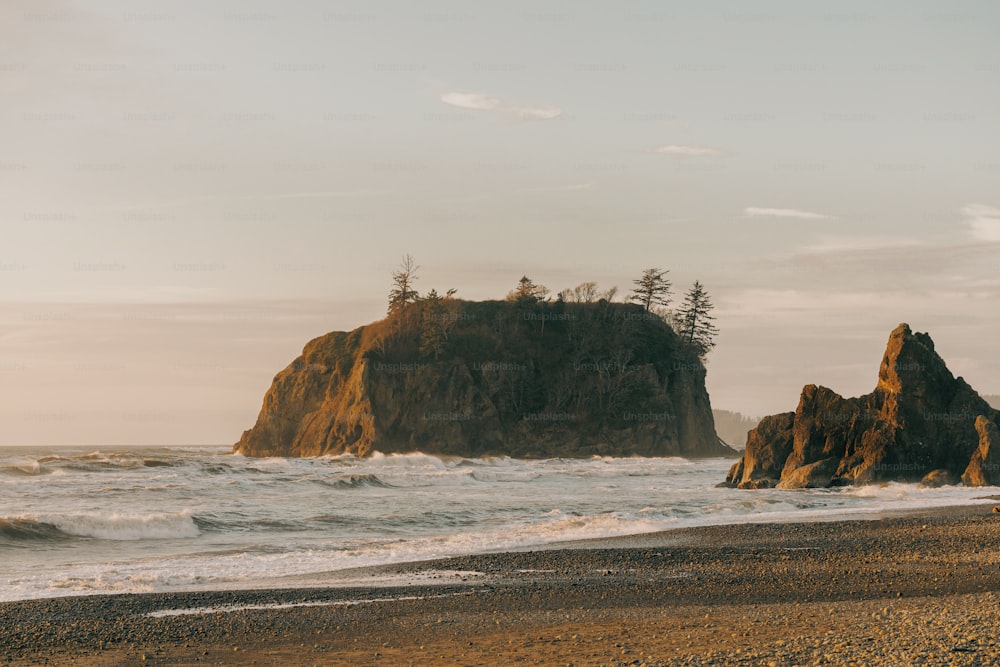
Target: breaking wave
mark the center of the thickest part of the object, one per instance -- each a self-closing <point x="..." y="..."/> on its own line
<point x="123" y="527"/>
<point x="354" y="482"/>
<point x="15" y="529"/>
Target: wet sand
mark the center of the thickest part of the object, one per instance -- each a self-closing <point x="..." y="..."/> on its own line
<point x="915" y="589"/>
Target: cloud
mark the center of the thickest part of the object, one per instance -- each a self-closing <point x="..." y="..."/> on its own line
<point x="855" y="244"/>
<point x="689" y="151"/>
<point x="984" y="221"/>
<point x="474" y="101"/>
<point x="534" y="113"/>
<point x="755" y="212"/>
<point x="484" y="102"/>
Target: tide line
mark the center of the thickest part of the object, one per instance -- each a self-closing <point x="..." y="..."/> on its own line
<point x="229" y="609"/>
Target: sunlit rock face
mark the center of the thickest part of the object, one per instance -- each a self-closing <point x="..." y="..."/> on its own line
<point x="920" y="419"/>
<point x="493" y="378"/>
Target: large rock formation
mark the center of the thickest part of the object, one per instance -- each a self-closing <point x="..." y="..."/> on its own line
<point x="493" y="378"/>
<point x="919" y="420"/>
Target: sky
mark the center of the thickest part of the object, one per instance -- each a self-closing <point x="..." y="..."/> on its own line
<point x="191" y="191"/>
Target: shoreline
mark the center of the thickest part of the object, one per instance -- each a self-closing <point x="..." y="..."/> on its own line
<point x="787" y="592"/>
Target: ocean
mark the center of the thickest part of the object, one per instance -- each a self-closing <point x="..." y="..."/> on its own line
<point x="79" y="521"/>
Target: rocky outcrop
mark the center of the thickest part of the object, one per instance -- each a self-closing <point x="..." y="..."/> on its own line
<point x="493" y="378"/>
<point x="984" y="468"/>
<point x="768" y="446"/>
<point x="920" y="419"/>
<point x="938" y="478"/>
<point x="810" y="476"/>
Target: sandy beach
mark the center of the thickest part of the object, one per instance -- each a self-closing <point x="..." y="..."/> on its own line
<point x="915" y="589"/>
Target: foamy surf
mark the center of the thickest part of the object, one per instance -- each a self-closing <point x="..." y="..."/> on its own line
<point x="162" y="519"/>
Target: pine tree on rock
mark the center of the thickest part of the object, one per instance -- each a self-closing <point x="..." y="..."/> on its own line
<point x="403" y="278"/>
<point x="527" y="292"/>
<point x="696" y="321"/>
<point x="433" y="333"/>
<point x="652" y="289"/>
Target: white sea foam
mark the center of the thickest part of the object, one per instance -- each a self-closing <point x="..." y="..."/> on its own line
<point x="202" y="518"/>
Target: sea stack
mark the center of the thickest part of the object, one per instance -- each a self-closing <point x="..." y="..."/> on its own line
<point x="462" y="378"/>
<point x="921" y="423"/>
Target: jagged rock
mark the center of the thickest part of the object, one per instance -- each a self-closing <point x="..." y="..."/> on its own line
<point x="938" y="478"/>
<point x="493" y="378"/>
<point x="768" y="446"/>
<point x="984" y="468"/>
<point x="919" y="419"/>
<point x="810" y="476"/>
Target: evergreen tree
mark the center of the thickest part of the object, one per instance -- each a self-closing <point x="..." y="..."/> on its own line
<point x="438" y="315"/>
<point x="527" y="291"/>
<point x="433" y="332"/>
<point x="403" y="278"/>
<point x="695" y="319"/>
<point x="652" y="289"/>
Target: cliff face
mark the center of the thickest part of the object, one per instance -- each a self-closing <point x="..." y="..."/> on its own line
<point x="920" y="419"/>
<point x="493" y="378"/>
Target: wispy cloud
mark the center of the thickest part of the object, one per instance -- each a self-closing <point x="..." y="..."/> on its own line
<point x="689" y="151"/>
<point x="853" y="244"/>
<point x="984" y="221"/>
<point x="534" y="113"/>
<point x="755" y="212"/>
<point x="484" y="102"/>
<point x="475" y="101"/>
